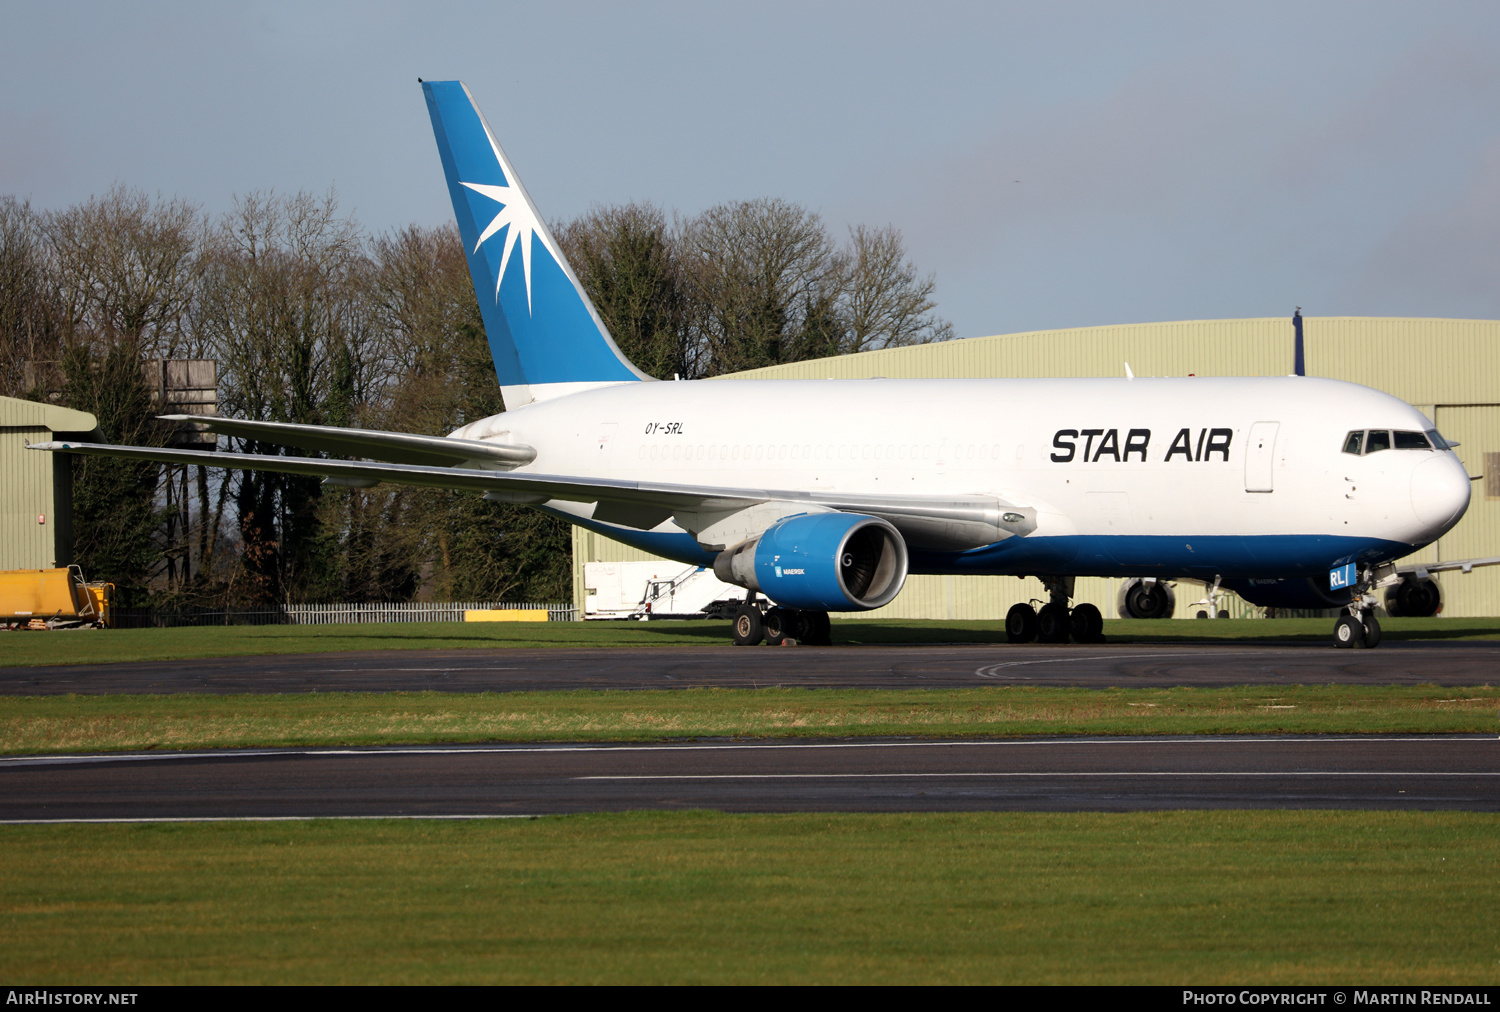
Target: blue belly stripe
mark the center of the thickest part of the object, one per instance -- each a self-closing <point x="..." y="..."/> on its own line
<point x="1194" y="557"/>
<point x="1200" y="557"/>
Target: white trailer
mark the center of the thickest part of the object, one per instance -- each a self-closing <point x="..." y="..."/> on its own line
<point x="663" y="589"/>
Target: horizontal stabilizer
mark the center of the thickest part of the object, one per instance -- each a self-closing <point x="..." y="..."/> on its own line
<point x="395" y="447"/>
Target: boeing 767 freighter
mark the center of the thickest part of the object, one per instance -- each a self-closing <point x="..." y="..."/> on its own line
<point x="821" y="496"/>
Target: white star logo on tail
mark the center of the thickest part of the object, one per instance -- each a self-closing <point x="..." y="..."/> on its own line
<point x="517" y="212"/>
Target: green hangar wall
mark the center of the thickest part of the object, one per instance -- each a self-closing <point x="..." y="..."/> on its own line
<point x="36" y="488"/>
<point x="1449" y="369"/>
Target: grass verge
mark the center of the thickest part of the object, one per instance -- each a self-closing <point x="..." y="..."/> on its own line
<point x="1366" y="898"/>
<point x="115" y="645"/>
<point x="31" y="724"/>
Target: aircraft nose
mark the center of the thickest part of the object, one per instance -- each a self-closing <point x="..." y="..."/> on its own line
<point x="1440" y="491"/>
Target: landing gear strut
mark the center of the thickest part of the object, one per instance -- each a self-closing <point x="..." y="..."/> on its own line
<point x="1358" y="627"/>
<point x="1054" y="622"/>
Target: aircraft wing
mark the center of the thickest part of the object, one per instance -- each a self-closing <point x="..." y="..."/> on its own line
<point x="396" y="447"/>
<point x="946" y="521"/>
<point x="1422" y="569"/>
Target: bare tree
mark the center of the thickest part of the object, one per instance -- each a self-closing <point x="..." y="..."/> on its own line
<point x="754" y="267"/>
<point x="886" y="304"/>
<point x="122" y="270"/>
<point x="627" y="261"/>
<point x="126" y="268"/>
<point x="283" y="306"/>
<point x="442" y="376"/>
<point x="28" y="340"/>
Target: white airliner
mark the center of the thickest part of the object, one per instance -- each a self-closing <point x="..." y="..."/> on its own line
<point x="822" y="496"/>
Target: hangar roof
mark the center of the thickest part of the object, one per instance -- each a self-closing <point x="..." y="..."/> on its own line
<point x="19" y="414"/>
<point x="1422" y="361"/>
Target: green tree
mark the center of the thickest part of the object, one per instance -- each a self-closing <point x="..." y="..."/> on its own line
<point x="116" y="516"/>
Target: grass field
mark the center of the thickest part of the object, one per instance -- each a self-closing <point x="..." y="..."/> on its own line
<point x="91" y="723"/>
<point x="112" y="645"/>
<point x="1164" y="898"/>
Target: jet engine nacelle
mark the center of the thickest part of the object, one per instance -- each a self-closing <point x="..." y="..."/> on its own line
<point x="820" y="562"/>
<point x="1146" y="598"/>
<point x="1414" y="597"/>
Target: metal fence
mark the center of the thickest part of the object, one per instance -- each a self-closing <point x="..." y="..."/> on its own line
<point x="326" y="614"/>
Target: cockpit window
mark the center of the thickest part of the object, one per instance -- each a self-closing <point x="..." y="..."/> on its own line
<point x="1374" y="440"/>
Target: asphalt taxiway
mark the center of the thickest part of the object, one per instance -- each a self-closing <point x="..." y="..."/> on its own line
<point x="1038" y="774"/>
<point x="876" y="667"/>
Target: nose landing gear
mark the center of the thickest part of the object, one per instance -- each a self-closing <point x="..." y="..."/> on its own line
<point x="1358" y="627"/>
<point x="1357" y="631"/>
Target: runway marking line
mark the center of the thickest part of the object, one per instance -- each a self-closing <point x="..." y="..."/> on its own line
<point x="991" y="670"/>
<point x="103" y="757"/>
<point x="376" y="671"/>
<point x="887" y="776"/>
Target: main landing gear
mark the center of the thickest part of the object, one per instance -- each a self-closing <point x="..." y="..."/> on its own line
<point x="776" y="625"/>
<point x="1054" y="622"/>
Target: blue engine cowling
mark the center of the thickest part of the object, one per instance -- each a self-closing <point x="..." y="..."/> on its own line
<point x="821" y="562"/>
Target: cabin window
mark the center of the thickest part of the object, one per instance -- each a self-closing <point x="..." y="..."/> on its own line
<point x="1377" y="440"/>
<point x="1354" y="442"/>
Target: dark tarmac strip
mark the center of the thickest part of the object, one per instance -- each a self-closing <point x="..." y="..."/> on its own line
<point x="865" y="667"/>
<point x="1038" y="774"/>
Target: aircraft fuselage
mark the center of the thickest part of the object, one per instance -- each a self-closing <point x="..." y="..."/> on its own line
<point x="1191" y="477"/>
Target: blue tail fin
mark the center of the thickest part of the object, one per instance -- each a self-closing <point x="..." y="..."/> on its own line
<point x="544" y="333"/>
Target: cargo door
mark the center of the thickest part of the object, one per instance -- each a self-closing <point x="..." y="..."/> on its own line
<point x="1260" y="453"/>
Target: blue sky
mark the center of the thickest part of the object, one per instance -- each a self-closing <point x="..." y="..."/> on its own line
<point x="1054" y="164"/>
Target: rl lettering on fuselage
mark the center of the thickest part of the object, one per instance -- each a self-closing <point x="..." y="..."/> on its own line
<point x="1101" y="444"/>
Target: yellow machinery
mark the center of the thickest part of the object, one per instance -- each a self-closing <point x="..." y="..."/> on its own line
<point x="52" y="599"/>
